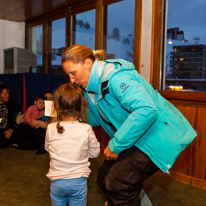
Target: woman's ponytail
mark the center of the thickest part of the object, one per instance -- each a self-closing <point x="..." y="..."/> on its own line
<point x="99" y="54"/>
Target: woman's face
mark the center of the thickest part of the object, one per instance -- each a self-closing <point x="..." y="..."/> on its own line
<point x="79" y="73"/>
<point x="4" y="97"/>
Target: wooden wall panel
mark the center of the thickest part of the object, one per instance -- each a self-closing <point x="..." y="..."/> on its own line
<point x="192" y="160"/>
<point x="199" y="152"/>
<point x="190" y="166"/>
<point x="183" y="163"/>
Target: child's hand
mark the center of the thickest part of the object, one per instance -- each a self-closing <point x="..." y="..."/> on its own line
<point x="34" y="123"/>
<point x="36" y="127"/>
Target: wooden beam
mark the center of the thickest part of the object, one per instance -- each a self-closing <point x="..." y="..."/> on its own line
<point x="99" y="25"/>
<point x="68" y="29"/>
<point x="107" y="2"/>
<point x="181" y="95"/>
<point x="137" y="35"/>
<point x="45" y="49"/>
<point x="86" y="6"/>
<point x="156" y="43"/>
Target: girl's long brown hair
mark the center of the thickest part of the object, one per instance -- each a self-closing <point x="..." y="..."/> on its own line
<point x="69" y="101"/>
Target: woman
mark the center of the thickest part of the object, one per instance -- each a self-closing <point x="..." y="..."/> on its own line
<point x="49" y="95"/>
<point x="148" y="133"/>
<point x="9" y="110"/>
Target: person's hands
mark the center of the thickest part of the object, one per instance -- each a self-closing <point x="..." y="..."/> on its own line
<point x="34" y="123"/>
<point x="110" y="155"/>
<point x="36" y="127"/>
<point x="8" y="133"/>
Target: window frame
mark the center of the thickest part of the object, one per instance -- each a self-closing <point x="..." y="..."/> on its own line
<point x="33" y="24"/>
<point x="82" y="7"/>
<point x="158" y="23"/>
<point x="137" y="30"/>
<point x="45" y="21"/>
<point x="51" y="18"/>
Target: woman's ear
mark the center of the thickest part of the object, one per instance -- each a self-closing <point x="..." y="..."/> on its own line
<point x="88" y="64"/>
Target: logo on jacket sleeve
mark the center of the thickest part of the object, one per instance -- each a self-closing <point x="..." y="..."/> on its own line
<point x="123" y="86"/>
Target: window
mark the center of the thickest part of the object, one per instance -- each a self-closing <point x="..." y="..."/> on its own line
<point x="83" y="29"/>
<point x="36" y="45"/>
<point x="77" y="25"/>
<point x="184" y="37"/>
<point x="56" y="46"/>
<point x="118" y="30"/>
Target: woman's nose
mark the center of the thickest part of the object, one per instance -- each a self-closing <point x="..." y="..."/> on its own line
<point x="72" y="79"/>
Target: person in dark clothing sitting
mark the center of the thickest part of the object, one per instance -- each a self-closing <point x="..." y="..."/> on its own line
<point x="9" y="110"/>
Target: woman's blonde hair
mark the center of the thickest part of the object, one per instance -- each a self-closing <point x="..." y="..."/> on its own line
<point x="78" y="53"/>
<point x="69" y="100"/>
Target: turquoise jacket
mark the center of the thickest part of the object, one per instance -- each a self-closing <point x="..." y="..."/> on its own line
<point x="133" y="113"/>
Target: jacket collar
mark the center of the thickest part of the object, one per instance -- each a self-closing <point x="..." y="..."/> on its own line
<point x="93" y="85"/>
<point x="94" y="79"/>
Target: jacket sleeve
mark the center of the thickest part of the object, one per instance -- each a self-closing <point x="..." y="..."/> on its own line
<point x="94" y="146"/>
<point x="143" y="113"/>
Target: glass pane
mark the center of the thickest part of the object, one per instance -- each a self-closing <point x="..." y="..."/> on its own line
<point x="185" y="57"/>
<point x="119" y="30"/>
<point x="83" y="29"/>
<point x="36" y="46"/>
<point x="56" y="46"/>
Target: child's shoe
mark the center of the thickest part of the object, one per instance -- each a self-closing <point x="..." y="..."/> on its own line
<point x="14" y="147"/>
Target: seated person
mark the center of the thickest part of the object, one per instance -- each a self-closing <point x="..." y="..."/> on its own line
<point x="34" y="112"/>
<point x="36" y="139"/>
<point x="43" y="122"/>
<point x="48" y="95"/>
<point x="9" y="109"/>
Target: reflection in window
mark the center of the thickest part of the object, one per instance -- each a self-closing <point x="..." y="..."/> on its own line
<point x="83" y="29"/>
<point x="56" y="46"/>
<point x="118" y="39"/>
<point x="185" y="47"/>
<point x="36" y="45"/>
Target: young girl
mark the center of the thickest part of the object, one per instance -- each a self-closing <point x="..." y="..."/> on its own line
<point x="70" y="142"/>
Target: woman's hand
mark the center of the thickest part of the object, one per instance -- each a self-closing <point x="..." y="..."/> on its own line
<point x="8" y="133"/>
<point x="110" y="155"/>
